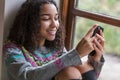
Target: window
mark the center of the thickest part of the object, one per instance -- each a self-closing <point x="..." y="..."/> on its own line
<point x="105" y="7"/>
<point x="75" y="14"/>
<point x="70" y="10"/>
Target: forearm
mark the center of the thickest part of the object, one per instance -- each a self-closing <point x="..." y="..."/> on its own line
<point x="97" y="65"/>
<point x="51" y="69"/>
<point x="22" y="70"/>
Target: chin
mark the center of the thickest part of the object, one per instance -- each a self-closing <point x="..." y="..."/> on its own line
<point x="51" y="39"/>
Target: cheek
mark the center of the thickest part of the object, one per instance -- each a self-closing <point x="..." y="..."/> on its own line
<point x="43" y="27"/>
<point x="45" y="24"/>
<point x="58" y="25"/>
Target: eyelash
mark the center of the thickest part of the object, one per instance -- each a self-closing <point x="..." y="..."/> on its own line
<point x="57" y="18"/>
<point x="46" y="19"/>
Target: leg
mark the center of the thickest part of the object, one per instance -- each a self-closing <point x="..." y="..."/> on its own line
<point x="90" y="75"/>
<point x="87" y="71"/>
<point x="85" y="67"/>
<point x="69" y="73"/>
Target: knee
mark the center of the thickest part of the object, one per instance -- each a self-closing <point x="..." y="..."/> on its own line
<point x="69" y="73"/>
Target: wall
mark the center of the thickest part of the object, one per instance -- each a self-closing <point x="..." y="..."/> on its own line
<point x="1" y="31"/>
<point x="11" y="8"/>
<point x="9" y="11"/>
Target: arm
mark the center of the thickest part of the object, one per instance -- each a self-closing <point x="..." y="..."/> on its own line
<point x="97" y="65"/>
<point x="20" y="69"/>
<point x="97" y="60"/>
<point x="94" y="43"/>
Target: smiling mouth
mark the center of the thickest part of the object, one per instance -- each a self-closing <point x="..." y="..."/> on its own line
<point x="52" y="32"/>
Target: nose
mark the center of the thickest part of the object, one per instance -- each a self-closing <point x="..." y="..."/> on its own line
<point x="54" y="23"/>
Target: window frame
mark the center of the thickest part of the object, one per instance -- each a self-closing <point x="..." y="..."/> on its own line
<point x="69" y="12"/>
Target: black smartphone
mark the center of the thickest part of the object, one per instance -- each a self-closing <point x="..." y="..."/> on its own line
<point x="97" y="30"/>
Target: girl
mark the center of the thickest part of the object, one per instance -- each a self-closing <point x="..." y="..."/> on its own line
<point x="35" y="47"/>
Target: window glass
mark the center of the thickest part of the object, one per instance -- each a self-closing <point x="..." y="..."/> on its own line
<point x="111" y="34"/>
<point x="106" y="7"/>
<point x="112" y="46"/>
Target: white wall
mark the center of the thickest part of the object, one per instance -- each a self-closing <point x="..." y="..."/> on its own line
<point x="9" y="11"/>
<point x="1" y="32"/>
<point x="11" y="8"/>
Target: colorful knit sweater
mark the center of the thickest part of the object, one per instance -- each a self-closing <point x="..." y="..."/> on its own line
<point x="41" y="64"/>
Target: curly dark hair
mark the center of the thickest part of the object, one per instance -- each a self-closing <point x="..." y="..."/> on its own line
<point x="26" y="26"/>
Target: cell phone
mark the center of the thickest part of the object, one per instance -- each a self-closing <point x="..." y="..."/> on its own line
<point x="97" y="30"/>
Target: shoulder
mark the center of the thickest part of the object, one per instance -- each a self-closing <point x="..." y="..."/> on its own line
<point x="11" y="47"/>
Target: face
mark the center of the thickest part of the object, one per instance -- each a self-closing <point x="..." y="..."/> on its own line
<point x="49" y="22"/>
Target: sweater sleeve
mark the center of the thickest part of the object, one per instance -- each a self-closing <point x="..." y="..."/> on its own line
<point x="96" y="65"/>
<point x="20" y="69"/>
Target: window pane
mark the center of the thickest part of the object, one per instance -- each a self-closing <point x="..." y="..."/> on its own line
<point x="111" y="34"/>
<point x="106" y="7"/>
<point x="112" y="46"/>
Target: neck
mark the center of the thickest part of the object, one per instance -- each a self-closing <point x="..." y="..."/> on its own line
<point x="42" y="42"/>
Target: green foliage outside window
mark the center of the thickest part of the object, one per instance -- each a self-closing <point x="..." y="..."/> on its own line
<point x="106" y="7"/>
<point x="111" y="33"/>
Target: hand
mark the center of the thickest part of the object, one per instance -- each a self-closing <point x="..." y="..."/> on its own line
<point x="98" y="45"/>
<point x="85" y="46"/>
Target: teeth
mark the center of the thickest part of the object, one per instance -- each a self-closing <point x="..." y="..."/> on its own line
<point x="52" y="32"/>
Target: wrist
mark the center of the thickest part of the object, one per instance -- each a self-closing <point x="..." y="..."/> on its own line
<point x="79" y="53"/>
<point x="97" y="58"/>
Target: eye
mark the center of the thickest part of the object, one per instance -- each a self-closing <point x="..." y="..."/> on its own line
<point x="56" y="17"/>
<point x="45" y="18"/>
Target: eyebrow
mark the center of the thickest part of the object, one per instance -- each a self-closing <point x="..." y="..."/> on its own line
<point x="47" y="14"/>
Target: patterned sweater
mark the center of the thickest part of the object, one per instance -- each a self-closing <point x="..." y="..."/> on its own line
<point x="47" y="63"/>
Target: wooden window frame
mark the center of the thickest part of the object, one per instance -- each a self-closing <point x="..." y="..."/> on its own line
<point x="69" y="12"/>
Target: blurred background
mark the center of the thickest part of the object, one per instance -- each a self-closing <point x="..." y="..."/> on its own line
<point x="111" y="8"/>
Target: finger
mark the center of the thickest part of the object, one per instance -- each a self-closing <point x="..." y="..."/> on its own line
<point x="98" y="45"/>
<point x="92" y="39"/>
<point x="101" y="33"/>
<point x="90" y="32"/>
<point x="98" y="53"/>
<point x="96" y="48"/>
<point x="100" y="39"/>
